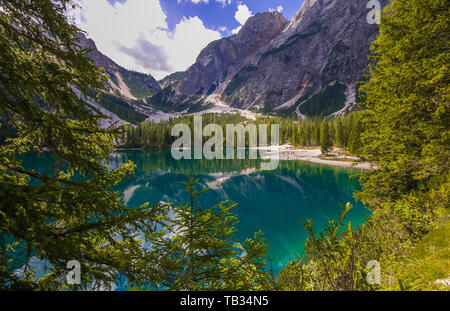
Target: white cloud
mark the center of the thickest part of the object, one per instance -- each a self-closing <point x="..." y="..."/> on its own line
<point x="242" y="15"/>
<point x="189" y="38"/>
<point x="224" y="2"/>
<point x="135" y="34"/>
<point x="236" y="30"/>
<point x="279" y="9"/>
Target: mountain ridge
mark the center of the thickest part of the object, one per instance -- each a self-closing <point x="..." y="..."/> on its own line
<point x="122" y="82"/>
<point x="308" y="66"/>
<point x="125" y="100"/>
<point x="315" y="59"/>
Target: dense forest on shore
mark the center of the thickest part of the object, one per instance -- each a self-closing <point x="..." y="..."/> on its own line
<point x="342" y="132"/>
<point x="404" y="131"/>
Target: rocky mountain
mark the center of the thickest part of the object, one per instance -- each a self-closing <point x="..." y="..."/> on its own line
<point x="221" y="60"/>
<point x="171" y="79"/>
<point x="309" y="65"/>
<point x="126" y="101"/>
<point x="121" y="82"/>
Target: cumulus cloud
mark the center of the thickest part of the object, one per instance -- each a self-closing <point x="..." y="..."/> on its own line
<point x="242" y="15"/>
<point x="135" y="34"/>
<point x="279" y="9"/>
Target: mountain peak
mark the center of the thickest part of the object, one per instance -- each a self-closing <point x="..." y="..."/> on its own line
<point x="225" y="57"/>
<point x="261" y="22"/>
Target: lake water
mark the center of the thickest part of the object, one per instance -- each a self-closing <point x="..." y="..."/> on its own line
<point x="271" y="201"/>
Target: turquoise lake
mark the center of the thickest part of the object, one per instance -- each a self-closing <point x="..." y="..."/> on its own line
<point x="271" y="201"/>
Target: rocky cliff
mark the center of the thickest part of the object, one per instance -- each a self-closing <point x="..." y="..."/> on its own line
<point x="309" y="65"/>
<point x="221" y="60"/>
<point x="122" y="82"/>
<point x="128" y="91"/>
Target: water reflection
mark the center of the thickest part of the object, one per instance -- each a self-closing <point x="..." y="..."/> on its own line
<point x="271" y="201"/>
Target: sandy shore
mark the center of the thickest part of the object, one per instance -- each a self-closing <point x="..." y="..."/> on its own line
<point x="288" y="153"/>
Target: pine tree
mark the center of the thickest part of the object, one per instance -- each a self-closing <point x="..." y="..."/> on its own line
<point x="340" y="138"/>
<point x="355" y="140"/>
<point x="405" y="133"/>
<point x="326" y="140"/>
<point x="200" y="252"/>
<point x="59" y="218"/>
<point x="408" y="96"/>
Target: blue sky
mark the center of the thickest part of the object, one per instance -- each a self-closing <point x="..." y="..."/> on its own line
<point x="163" y="36"/>
<point x="215" y="15"/>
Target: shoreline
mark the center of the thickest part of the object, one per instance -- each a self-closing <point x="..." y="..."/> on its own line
<point x="314" y="155"/>
<point x="289" y="153"/>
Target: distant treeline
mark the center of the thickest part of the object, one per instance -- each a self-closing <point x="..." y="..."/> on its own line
<point x="341" y="132"/>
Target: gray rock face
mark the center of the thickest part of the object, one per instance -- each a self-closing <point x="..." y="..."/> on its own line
<point x="127" y="92"/>
<point x="122" y="82"/>
<point x="222" y="59"/>
<point x="309" y="65"/>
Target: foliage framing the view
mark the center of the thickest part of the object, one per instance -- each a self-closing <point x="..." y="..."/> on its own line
<point x="52" y="218"/>
<point x="74" y="212"/>
<point x="56" y="217"/>
<point x="200" y="251"/>
<point x="405" y="133"/>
